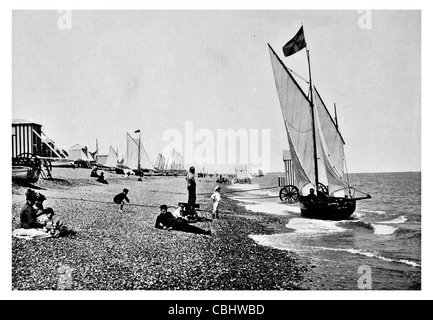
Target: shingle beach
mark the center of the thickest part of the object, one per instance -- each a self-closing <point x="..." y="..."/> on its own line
<point x="124" y="251"/>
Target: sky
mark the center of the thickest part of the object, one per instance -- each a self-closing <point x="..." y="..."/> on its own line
<point x="87" y="75"/>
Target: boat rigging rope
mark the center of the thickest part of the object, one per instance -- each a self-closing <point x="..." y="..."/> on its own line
<point x="299" y="76"/>
<point x="297" y="129"/>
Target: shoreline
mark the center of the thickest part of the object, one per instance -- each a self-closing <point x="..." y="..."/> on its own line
<point x="114" y="251"/>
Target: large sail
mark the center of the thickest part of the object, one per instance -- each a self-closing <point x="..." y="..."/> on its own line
<point x="332" y="147"/>
<point x="296" y="110"/>
<point x="132" y="155"/>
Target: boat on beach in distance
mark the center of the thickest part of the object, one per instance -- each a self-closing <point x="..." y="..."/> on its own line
<point x="321" y="184"/>
<point x="137" y="158"/>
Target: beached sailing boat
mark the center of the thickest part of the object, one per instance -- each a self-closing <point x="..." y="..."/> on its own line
<point x="136" y="156"/>
<point x="316" y="145"/>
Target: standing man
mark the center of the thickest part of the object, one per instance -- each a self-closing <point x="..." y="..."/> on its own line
<point x="190" y="182"/>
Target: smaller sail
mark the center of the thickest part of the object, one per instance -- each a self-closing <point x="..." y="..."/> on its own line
<point x="131" y="159"/>
<point x="111" y="160"/>
<point x="332" y="148"/>
<point x="174" y="161"/>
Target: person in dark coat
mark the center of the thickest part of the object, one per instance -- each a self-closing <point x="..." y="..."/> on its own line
<point x="94" y="173"/>
<point x="121" y="198"/>
<point x="102" y="179"/>
<point x="28" y="212"/>
<point x="166" y="220"/>
<point x="191" y="187"/>
<point x="312" y="197"/>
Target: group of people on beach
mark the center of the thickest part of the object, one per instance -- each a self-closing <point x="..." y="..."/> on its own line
<point x="100" y="177"/>
<point x="34" y="215"/>
<point x="185" y="213"/>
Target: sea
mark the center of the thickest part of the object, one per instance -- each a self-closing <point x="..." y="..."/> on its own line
<point x="379" y="248"/>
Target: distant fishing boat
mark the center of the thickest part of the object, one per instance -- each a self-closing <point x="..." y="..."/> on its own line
<point x="316" y="145"/>
<point x="26" y="168"/>
<point x="137" y="158"/>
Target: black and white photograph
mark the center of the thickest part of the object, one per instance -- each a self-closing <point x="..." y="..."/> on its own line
<point x="215" y="151"/>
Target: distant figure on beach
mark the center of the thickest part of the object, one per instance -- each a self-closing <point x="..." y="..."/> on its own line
<point x="166" y="220"/>
<point x="216" y="197"/>
<point x="121" y="198"/>
<point x="191" y="187"/>
<point x="312" y="197"/>
<point x="28" y="212"/>
<point x="101" y="178"/>
<point x="94" y="173"/>
<point x="48" y="169"/>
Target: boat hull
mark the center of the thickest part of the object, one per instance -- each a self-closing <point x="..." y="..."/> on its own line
<point x="332" y="209"/>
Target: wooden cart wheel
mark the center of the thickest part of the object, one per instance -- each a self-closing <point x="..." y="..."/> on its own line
<point x="289" y="194"/>
<point x="323" y="188"/>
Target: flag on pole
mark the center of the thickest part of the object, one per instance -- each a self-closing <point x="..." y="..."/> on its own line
<point x="296" y="44"/>
<point x="136" y="131"/>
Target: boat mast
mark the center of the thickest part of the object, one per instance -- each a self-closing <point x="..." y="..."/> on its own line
<point x="316" y="171"/>
<point x="139" y="147"/>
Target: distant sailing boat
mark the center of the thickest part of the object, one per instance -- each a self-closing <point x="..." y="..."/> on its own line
<point x="316" y="145"/>
<point x="136" y="156"/>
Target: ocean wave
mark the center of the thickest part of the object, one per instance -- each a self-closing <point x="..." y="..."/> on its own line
<point x="384" y="230"/>
<point x="358" y="215"/>
<point x="378" y="229"/>
<point x="408" y="234"/>
<point x="399" y="220"/>
<point x="312" y="226"/>
<point x="271" y="207"/>
<point x="372" y="255"/>
<point x="372" y="211"/>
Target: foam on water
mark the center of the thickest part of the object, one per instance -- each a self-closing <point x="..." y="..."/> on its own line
<point x="372" y="211"/>
<point x="271" y="207"/>
<point x="371" y="255"/>
<point x="399" y="220"/>
<point x="278" y="241"/>
<point x="312" y="226"/>
<point x="381" y="229"/>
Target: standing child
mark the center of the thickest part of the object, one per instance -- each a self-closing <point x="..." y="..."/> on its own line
<point x="216" y="197"/>
<point x="120" y="199"/>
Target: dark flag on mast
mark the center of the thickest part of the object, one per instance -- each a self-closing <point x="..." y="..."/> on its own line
<point x="136" y="131"/>
<point x="296" y="44"/>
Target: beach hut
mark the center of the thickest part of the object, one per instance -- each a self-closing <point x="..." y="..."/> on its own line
<point x="26" y="137"/>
